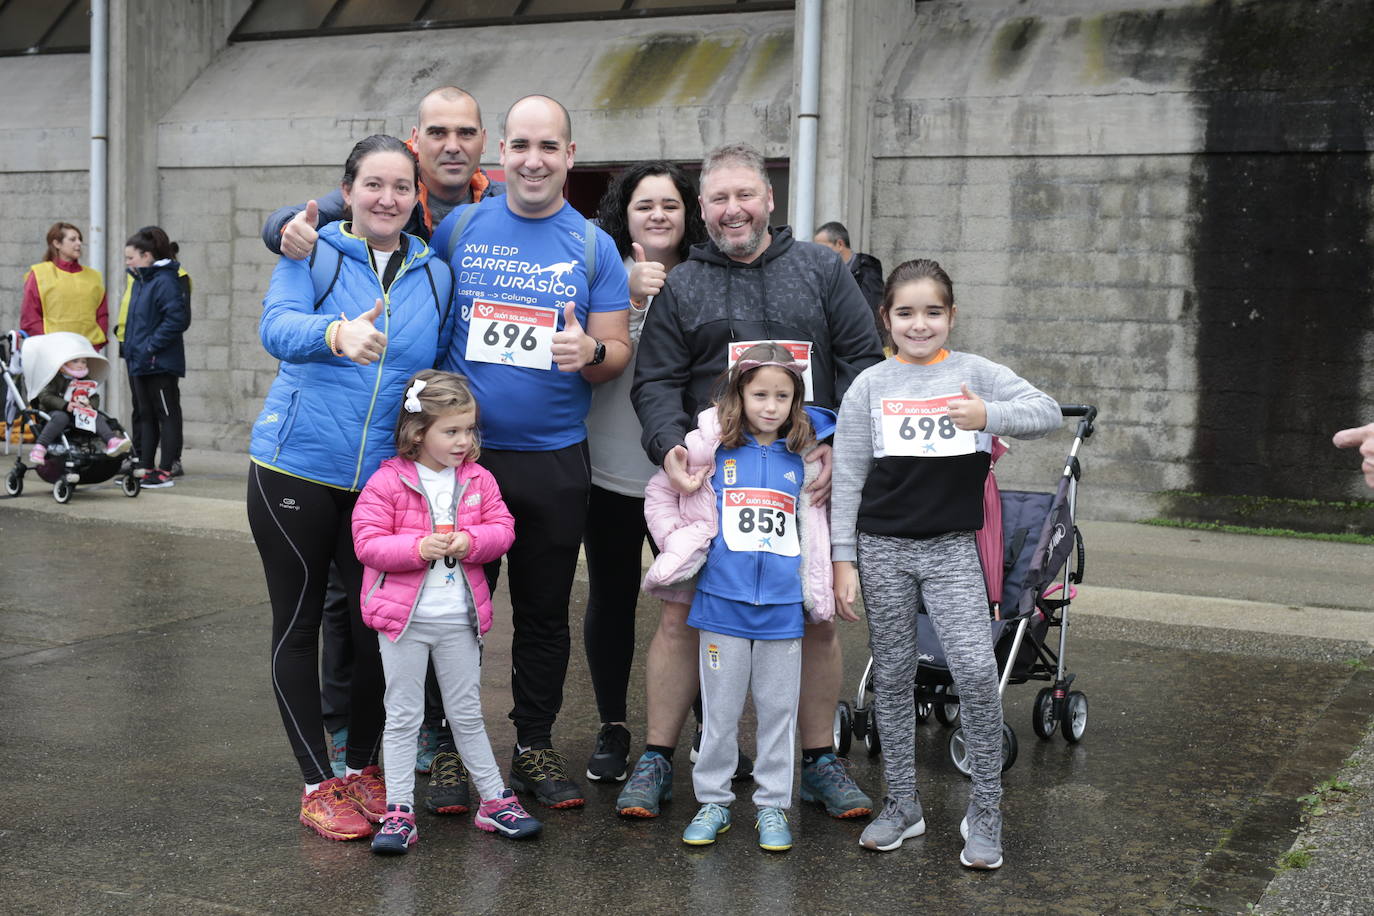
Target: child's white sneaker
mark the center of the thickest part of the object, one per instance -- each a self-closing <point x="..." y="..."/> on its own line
<point x="118" y="445"/>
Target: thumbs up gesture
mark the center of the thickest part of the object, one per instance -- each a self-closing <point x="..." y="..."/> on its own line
<point x="970" y="411"/>
<point x="298" y="236"/>
<point x="646" y="277"/>
<point x="359" y="338"/>
<point x="572" y="348"/>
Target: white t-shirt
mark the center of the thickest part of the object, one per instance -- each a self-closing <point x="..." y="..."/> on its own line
<point x="444" y="595"/>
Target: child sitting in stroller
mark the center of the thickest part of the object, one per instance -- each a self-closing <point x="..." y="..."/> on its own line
<point x="69" y="395"/>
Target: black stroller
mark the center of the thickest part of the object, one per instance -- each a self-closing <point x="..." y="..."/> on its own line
<point x="1037" y="537"/>
<point x="78" y="456"/>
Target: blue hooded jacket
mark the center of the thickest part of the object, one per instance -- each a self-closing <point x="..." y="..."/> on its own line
<point x="327" y="419"/>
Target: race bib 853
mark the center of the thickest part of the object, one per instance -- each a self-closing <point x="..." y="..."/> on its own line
<point x="757" y="519"/>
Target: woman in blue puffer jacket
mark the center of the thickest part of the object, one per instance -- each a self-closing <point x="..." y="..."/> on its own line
<point x="370" y="309"/>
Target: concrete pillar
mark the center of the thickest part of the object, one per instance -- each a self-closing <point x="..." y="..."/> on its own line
<point x="859" y="38"/>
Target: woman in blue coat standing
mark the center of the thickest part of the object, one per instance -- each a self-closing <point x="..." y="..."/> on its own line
<point x="350" y="326"/>
<point x="159" y="314"/>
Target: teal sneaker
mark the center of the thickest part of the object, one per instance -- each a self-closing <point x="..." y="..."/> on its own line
<point x="774" y="834"/>
<point x="426" y="746"/>
<point x="711" y="821"/>
<point x="828" y="782"/>
<point x="337" y="745"/>
<point x="650" y="784"/>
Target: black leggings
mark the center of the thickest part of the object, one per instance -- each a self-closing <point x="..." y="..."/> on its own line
<point x="158" y="408"/>
<point x="614" y="543"/>
<point x="299" y="526"/>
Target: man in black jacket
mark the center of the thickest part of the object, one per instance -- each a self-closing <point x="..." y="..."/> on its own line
<point x="749" y="283"/>
<point x="867" y="270"/>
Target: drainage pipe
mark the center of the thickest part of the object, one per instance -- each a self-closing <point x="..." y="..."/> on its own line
<point x="808" y="122"/>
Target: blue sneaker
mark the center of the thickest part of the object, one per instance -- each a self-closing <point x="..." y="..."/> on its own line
<point x="711" y="821"/>
<point x="649" y="784"/>
<point x="338" y="751"/>
<point x="505" y="816"/>
<point x="827" y="781"/>
<point x="426" y="746"/>
<point x="774" y="834"/>
<point x="398" y="831"/>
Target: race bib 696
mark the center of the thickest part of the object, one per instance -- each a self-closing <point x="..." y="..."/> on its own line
<point x="511" y="335"/>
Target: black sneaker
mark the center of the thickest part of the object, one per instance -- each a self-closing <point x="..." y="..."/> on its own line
<point x="610" y="762"/>
<point x="744" y="764"/>
<point x="544" y="771"/>
<point x="448" y="791"/>
<point x="176" y="470"/>
<point x="156" y="479"/>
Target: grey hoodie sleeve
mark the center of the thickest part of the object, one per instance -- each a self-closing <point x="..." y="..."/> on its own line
<point x="853" y="457"/>
<point x="1017" y="408"/>
<point x="662" y="374"/>
<point x="332" y="209"/>
<point x="854" y="341"/>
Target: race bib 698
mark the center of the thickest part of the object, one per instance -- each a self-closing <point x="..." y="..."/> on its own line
<point x="922" y="428"/>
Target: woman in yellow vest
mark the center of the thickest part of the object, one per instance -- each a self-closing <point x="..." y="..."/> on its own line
<point x="62" y="295"/>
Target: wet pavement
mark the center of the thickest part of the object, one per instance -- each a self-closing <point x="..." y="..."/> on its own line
<point x="147" y="769"/>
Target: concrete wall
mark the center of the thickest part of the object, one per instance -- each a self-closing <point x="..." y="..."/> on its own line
<point x="1162" y="208"/>
<point x="1159" y="206"/>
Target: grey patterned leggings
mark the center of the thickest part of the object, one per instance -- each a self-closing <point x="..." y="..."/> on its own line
<point x="897" y="575"/>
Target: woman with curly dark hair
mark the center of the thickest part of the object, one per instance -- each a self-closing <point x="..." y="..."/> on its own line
<point x="651" y="212"/>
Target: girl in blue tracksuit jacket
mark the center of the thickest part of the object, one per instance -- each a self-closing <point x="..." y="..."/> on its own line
<point x="760" y="549"/>
<point x="346" y="352"/>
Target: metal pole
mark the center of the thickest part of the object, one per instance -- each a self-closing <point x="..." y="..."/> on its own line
<point x="808" y="122"/>
<point x="99" y="93"/>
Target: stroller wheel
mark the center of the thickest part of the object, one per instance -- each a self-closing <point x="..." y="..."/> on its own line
<point x="62" y="491"/>
<point x="872" y="743"/>
<point x="1075" y="716"/>
<point x="945" y="713"/>
<point x="14" y="483"/>
<point x="844" y="728"/>
<point x="958" y="749"/>
<point x="130" y="485"/>
<point x="1042" y="717"/>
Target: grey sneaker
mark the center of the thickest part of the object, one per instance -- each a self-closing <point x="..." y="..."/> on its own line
<point x="900" y="820"/>
<point x="981" y="829"/>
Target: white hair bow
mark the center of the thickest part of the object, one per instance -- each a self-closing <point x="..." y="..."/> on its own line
<point x="412" y="402"/>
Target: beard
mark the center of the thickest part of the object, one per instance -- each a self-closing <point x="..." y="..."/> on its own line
<point x="743" y="248"/>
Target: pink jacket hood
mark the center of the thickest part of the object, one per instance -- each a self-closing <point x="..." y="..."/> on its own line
<point x="683" y="525"/>
<point x="393" y="515"/>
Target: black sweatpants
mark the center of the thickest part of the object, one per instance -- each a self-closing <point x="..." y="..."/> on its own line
<point x="546" y="493"/>
<point x="614" y="542"/>
<point x="159" y="418"/>
<point x="299" y="526"/>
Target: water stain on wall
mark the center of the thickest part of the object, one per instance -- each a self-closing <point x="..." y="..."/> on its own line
<point x="1281" y="254"/>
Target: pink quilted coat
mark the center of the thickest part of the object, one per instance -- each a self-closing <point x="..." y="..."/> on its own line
<point x="682" y="525"/>
<point x="392" y="516"/>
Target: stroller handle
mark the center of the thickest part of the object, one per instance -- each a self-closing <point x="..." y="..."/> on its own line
<point x="1087" y="411"/>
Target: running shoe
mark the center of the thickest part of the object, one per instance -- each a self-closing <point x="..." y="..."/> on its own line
<point x="827" y="781"/>
<point x="448" y="791"/>
<point x="38" y="454"/>
<point x="544" y="771"/>
<point x="427" y="745"/>
<point x="710" y="822"/>
<point x="368" y="792"/>
<point x="650" y="784"/>
<point x="505" y="816"/>
<point x="982" y="833"/>
<point x="398" y="832"/>
<point x="157" y="479"/>
<point x="774" y="834"/>
<point x="331" y="814"/>
<point x="117" y="445"/>
<point x="176" y="470"/>
<point x="900" y="820"/>
<point x="610" y="761"/>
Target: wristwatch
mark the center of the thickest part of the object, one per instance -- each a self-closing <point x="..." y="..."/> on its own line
<point x="599" y="355"/>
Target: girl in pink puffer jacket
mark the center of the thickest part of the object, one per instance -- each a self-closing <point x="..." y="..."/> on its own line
<point x="423" y="526"/>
